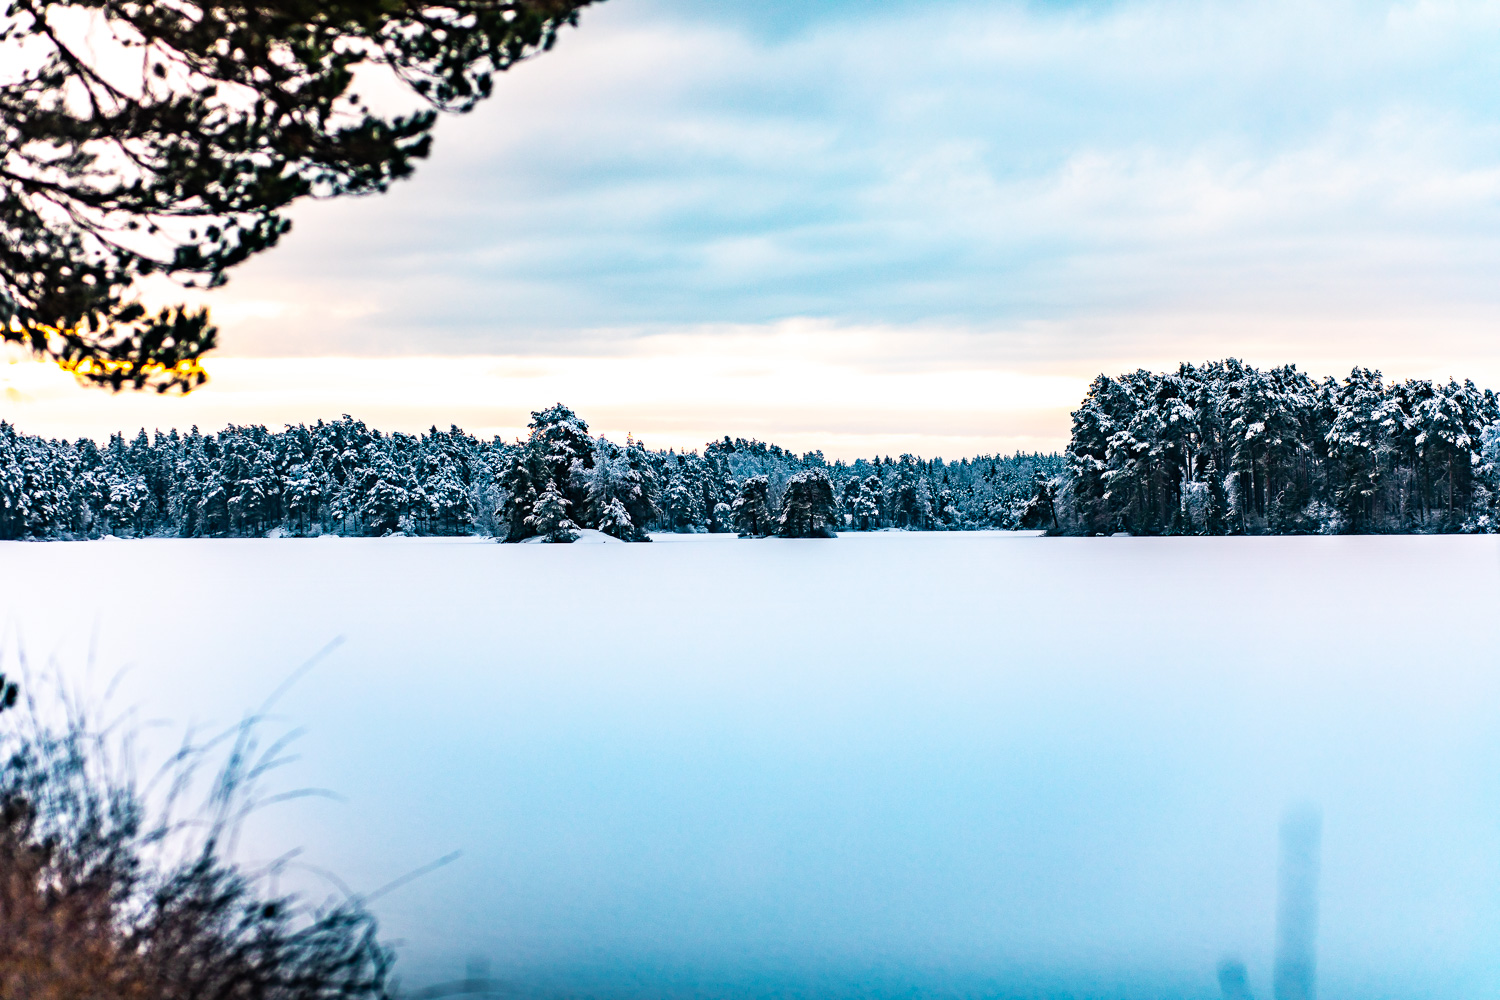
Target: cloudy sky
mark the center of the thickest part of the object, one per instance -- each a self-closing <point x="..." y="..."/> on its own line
<point x="886" y="226"/>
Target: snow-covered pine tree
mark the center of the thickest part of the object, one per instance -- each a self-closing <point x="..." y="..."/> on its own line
<point x="614" y="520"/>
<point x="807" y="508"/>
<point x="1449" y="423"/>
<point x="1484" y="508"/>
<point x="751" y="512"/>
<point x="643" y="497"/>
<point x="1367" y="424"/>
<point x="517" y="483"/>
<point x="13" y="499"/>
<point x="613" y="487"/>
<point x="550" y="516"/>
<point x="445" y="498"/>
<point x="869" y="512"/>
<point x="849" y="500"/>
<point x="1041" y="511"/>
<point x="683" y="501"/>
<point x="302" y="496"/>
<point x="388" y="498"/>
<point x="560" y="442"/>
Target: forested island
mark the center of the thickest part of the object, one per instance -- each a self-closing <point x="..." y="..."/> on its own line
<point x="1221" y="448"/>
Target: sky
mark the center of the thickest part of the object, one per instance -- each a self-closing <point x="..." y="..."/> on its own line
<point x="918" y="226"/>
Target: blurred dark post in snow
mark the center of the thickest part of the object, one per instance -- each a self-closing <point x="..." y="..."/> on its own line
<point x="1297" y="904"/>
<point x="1233" y="981"/>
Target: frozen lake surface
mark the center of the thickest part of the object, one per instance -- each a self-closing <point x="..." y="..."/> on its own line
<point x="886" y="765"/>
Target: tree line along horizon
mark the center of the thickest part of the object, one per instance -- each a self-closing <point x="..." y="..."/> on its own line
<point x="1215" y="449"/>
<point x="342" y="478"/>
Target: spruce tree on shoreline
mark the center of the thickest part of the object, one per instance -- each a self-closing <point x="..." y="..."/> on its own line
<point x="549" y="518"/>
<point x="808" y="509"/>
<point x="751" y="510"/>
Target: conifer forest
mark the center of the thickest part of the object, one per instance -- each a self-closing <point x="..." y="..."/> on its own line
<point x="344" y="478"/>
<point x="1224" y="448"/>
<point x="1216" y="449"/>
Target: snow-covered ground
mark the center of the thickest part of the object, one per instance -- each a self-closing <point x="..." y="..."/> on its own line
<point x="978" y="763"/>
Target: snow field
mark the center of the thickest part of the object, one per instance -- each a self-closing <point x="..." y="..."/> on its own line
<point x="970" y="762"/>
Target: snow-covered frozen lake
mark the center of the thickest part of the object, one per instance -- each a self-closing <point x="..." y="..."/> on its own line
<point x="893" y="764"/>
